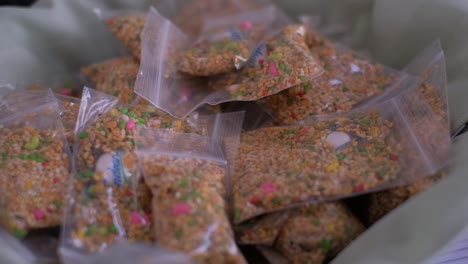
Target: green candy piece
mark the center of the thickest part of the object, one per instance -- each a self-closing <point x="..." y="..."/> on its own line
<point x="192" y="223"/>
<point x="275" y="56"/>
<point x="85" y="174"/>
<point x="124" y="110"/>
<point x="282" y="66"/>
<point x="20" y="233"/>
<point x="141" y="121"/>
<point x="326" y="245"/>
<point x="231" y="45"/>
<point x="112" y="229"/>
<point x="340" y="156"/>
<point x="167" y="124"/>
<point x="237" y="213"/>
<point x="102" y="231"/>
<point x="146" y="115"/>
<point x="57" y="203"/>
<point x="366" y="122"/>
<point x="185" y="182"/>
<point x="90" y="230"/>
<point x="179" y="233"/>
<point x="276" y="201"/>
<point x="307" y="87"/>
<point x="33" y="144"/>
<point x="83" y="135"/>
<point x="122" y="124"/>
<point x="132" y="115"/>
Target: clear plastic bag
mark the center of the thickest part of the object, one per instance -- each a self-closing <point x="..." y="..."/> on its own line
<point x="262" y="230"/>
<point x="225" y="44"/>
<point x="315" y="233"/>
<point x="109" y="200"/>
<point x="348" y="80"/>
<point x="429" y="64"/>
<point x="126" y="26"/>
<point x="281" y="62"/>
<point x="189" y="15"/>
<point x="186" y="174"/>
<point x="34" y="167"/>
<point x="68" y="107"/>
<point x="115" y="77"/>
<point x="338" y="156"/>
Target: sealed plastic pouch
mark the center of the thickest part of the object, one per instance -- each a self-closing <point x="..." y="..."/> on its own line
<point x="110" y="201"/>
<point x="281" y="62"/>
<point x="34" y="167"/>
<point x="315" y="233"/>
<point x="126" y="27"/>
<point x="262" y="230"/>
<point x="429" y="64"/>
<point x="225" y="44"/>
<point x="186" y="173"/>
<point x="338" y="156"/>
<point x="348" y="81"/>
<point x="115" y="77"/>
<point x="68" y="107"/>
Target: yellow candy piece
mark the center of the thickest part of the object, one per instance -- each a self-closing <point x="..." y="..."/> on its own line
<point x="332" y="166"/>
<point x="33" y="144"/>
<point x="28" y="184"/>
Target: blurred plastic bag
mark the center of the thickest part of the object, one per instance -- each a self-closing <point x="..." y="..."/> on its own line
<point x="109" y="199"/>
<point x="225" y="43"/>
<point x="348" y="80"/>
<point x="282" y="62"/>
<point x="33" y="141"/>
<point x="338" y="156"/>
<point x="187" y="174"/>
<point x="429" y="64"/>
<point x="115" y="77"/>
<point x="262" y="230"/>
<point x="68" y="107"/>
<point x="126" y="27"/>
<point x="315" y="233"/>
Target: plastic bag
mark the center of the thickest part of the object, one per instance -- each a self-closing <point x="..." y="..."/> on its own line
<point x="189" y="15"/>
<point x="262" y="230"/>
<point x="282" y="62"/>
<point x="115" y="77"/>
<point x="315" y="233"/>
<point x="343" y="155"/>
<point x="68" y="107"/>
<point x="126" y="27"/>
<point x="430" y="64"/>
<point x="109" y="200"/>
<point x="32" y="143"/>
<point x="225" y="44"/>
<point x="348" y="81"/>
<point x="186" y="174"/>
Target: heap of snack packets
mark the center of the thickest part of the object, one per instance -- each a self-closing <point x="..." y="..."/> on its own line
<point x="171" y="146"/>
